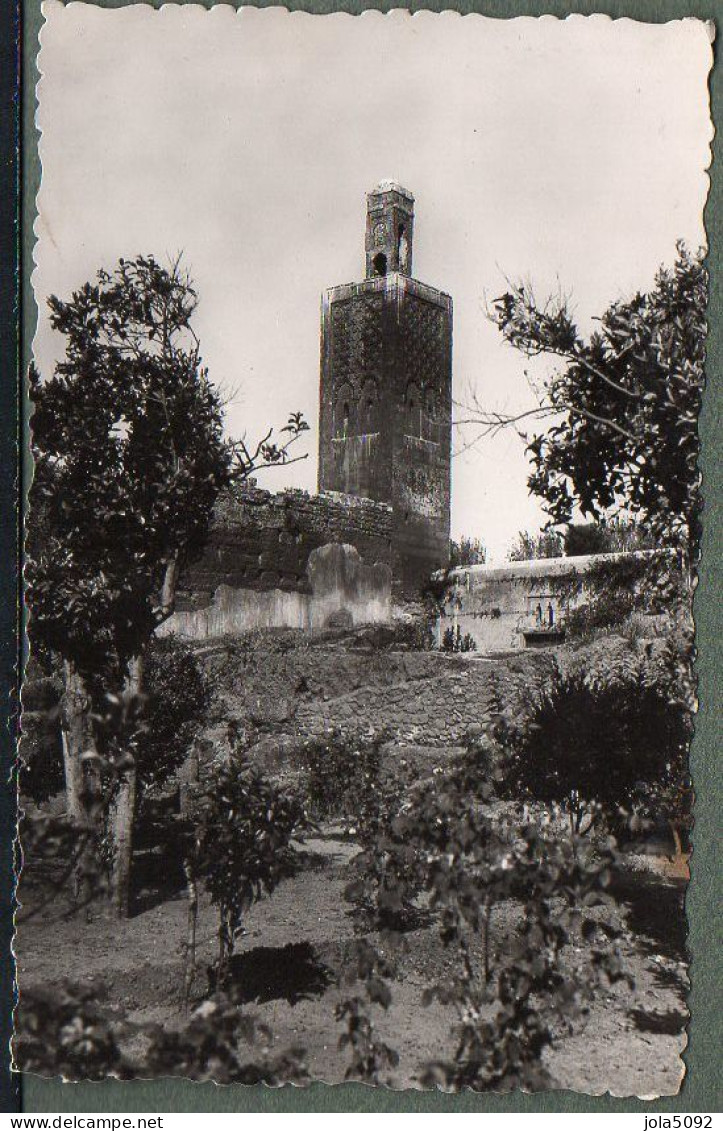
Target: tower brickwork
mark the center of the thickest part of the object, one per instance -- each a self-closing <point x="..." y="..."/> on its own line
<point x="386" y="390"/>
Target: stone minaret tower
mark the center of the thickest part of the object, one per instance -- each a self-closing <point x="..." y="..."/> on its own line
<point x="386" y="389"/>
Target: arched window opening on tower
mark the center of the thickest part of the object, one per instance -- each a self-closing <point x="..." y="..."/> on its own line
<point x="344" y="412"/>
<point x="368" y="421"/>
<point x="380" y="263"/>
<point x="402" y="248"/>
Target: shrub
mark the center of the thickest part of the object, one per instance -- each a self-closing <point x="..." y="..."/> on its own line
<point x="242" y="826"/>
<point x="454" y="641"/>
<point x="606" y="611"/>
<point x="614" y="590"/>
<point x="467" y="552"/>
<point x="213" y="1046"/>
<point x="370" y="1056"/>
<point x="413" y="633"/>
<point x="510" y="995"/>
<point x="389" y="868"/>
<point x="61" y="1031"/>
<point x="341" y="772"/>
<point x="594" y="739"/>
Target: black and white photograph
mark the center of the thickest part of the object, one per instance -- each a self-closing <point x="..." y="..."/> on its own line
<point x="361" y="546"/>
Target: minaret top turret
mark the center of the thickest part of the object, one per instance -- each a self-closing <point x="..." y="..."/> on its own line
<point x="390" y="225"/>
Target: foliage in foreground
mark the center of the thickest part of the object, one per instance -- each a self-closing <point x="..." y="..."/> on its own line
<point x="371" y="1058"/>
<point x="469" y="860"/>
<point x="65" y="1032"/>
<point x="215" y="1045"/>
<point x="447" y="845"/>
<point x="62" y="1031"/>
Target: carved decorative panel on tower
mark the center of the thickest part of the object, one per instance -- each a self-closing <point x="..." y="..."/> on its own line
<point x="386" y="390"/>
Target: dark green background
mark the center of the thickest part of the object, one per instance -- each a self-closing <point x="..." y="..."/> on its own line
<point x="701" y="1090"/>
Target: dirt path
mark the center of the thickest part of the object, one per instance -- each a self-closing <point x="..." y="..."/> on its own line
<point x="291" y="957"/>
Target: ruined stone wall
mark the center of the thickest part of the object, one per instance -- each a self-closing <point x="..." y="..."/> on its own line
<point x="421" y="698"/>
<point x="343" y="592"/>
<point x="262" y="542"/>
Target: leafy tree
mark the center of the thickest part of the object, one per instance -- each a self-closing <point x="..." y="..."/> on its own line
<point x="546" y="544"/>
<point x="241" y="828"/>
<point x="621" y="535"/>
<point x="585" y="538"/>
<point x="468" y="551"/>
<point x="623" y="407"/>
<point x="176" y="701"/>
<point x="130" y="458"/>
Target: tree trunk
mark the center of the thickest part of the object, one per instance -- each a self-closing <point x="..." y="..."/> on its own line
<point x="189" y="972"/>
<point x="122" y="812"/>
<point x="77" y="739"/>
<point x="225" y="946"/>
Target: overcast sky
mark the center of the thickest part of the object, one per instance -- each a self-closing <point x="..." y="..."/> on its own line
<point x="571" y="152"/>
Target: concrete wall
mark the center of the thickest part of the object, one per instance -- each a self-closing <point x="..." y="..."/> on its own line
<point x="341" y="590"/>
<point x="498" y="605"/>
